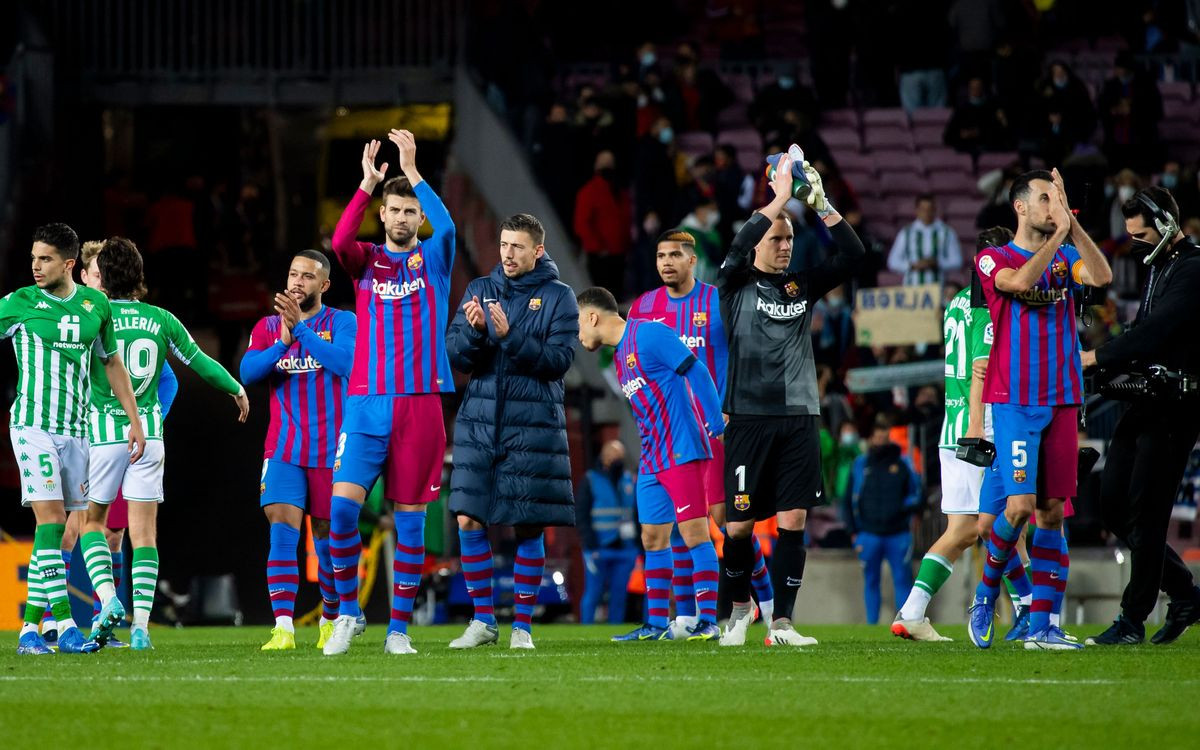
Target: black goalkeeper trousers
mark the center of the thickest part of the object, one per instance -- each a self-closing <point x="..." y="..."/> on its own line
<point x="1142" y="471"/>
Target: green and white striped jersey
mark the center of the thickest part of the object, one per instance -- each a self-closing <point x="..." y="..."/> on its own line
<point x="55" y="341"/>
<point x="968" y="337"/>
<point x="144" y="333"/>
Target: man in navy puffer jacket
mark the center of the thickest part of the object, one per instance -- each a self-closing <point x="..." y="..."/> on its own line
<point x="514" y="334"/>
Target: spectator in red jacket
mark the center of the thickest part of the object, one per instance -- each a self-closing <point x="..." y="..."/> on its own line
<point x="603" y="220"/>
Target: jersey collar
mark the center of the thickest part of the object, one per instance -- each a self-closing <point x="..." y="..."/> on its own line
<point x="68" y="298"/>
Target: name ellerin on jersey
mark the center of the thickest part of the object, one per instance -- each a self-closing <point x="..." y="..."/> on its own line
<point x="135" y="324"/>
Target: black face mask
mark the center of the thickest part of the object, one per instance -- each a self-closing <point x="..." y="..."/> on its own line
<point x="1139" y="249"/>
<point x="616" y="469"/>
<point x="607" y="173"/>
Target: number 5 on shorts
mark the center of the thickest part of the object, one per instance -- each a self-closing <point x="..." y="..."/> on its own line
<point x="45" y="464"/>
<point x="1019" y="455"/>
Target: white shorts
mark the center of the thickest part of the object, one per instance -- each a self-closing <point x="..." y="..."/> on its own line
<point x="52" y="467"/>
<point x="140" y="482"/>
<point x="961" y="483"/>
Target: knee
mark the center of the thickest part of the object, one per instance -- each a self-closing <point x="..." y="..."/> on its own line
<point x="739" y="529"/>
<point x="466" y="523"/>
<point x="792" y="520"/>
<point x="320" y="528"/>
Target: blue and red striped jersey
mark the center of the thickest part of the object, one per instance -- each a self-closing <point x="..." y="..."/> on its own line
<point x="696" y="319"/>
<point x="669" y="419"/>
<point x="307" y="394"/>
<point x="1035" y="351"/>
<point x="402" y="300"/>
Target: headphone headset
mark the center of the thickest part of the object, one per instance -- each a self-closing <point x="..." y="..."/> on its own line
<point x="1166" y="224"/>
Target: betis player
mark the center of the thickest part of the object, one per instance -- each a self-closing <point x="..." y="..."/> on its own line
<point x="393" y="416"/>
<point x="968" y="342"/>
<point x="144" y="334"/>
<point x="691" y="307"/>
<point x="1034" y="384"/>
<point x="57" y="327"/>
<point x="304" y="353"/>
<point x="678" y="410"/>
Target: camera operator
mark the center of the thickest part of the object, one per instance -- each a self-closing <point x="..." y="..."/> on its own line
<point x="1150" y="448"/>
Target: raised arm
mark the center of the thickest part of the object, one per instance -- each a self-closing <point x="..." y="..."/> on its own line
<point x="351" y="253"/>
<point x="431" y="204"/>
<point x="739" y="259"/>
<point x="1096" y="271"/>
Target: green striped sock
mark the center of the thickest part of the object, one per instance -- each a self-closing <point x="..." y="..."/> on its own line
<point x="47" y="543"/>
<point x="35" y="595"/>
<point x="144" y="574"/>
<point x="935" y="571"/>
<point x="98" y="559"/>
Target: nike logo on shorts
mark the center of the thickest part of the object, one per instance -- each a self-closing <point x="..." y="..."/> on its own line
<point x="680" y="510"/>
<point x="434" y="487"/>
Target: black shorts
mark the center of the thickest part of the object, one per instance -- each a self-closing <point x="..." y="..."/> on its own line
<point x="772" y="464"/>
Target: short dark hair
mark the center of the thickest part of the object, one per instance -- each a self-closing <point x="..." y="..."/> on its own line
<point x="318" y="256"/>
<point x="1020" y="187"/>
<point x="399" y="187"/>
<point x="682" y="236"/>
<point x="1156" y="195"/>
<point x="599" y="298"/>
<point x="120" y="266"/>
<point x="993" y="237"/>
<point x="59" y="236"/>
<point x="922" y="197"/>
<point x="527" y="223"/>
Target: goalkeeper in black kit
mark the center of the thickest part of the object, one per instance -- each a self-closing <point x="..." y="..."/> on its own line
<point x="773" y="457"/>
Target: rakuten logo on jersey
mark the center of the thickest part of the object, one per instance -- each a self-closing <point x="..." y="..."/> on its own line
<point x="776" y="311"/>
<point x="390" y="290"/>
<point x="694" y="342"/>
<point x="630" y="387"/>
<point x="295" y="365"/>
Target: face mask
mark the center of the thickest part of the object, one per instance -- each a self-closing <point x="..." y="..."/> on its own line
<point x="835" y="303"/>
<point x="1125" y="192"/>
<point x="665" y="136"/>
<point x="648" y="59"/>
<point x="607" y="173"/>
<point x="786" y="82"/>
<point x="849" y="439"/>
<point x="714" y="218"/>
<point x="643" y="100"/>
<point x="1140" y="249"/>
<point x="1109" y="191"/>
<point x="1061" y="83"/>
<point x="977" y="101"/>
<point x="1170" y="180"/>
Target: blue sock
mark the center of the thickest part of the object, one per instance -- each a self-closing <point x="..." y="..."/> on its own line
<point x="476" y="555"/>
<point x="345" y="549"/>
<point x="682" y="585"/>
<point x="407" y="567"/>
<point x="1044" y="555"/>
<point x="329" y="595"/>
<point x="1060" y="587"/>
<point x="1018" y="577"/>
<point x="658" y="581"/>
<point x="527" y="580"/>
<point x="67" y="554"/>
<point x="1000" y="545"/>
<point x="283" y="573"/>
<point x="761" y="577"/>
<point x="707" y="575"/>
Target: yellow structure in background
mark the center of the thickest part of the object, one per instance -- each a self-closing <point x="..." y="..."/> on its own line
<point x="14" y="559"/>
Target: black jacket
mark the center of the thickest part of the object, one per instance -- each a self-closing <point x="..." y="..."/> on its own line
<point x="511" y="464"/>
<point x="1165" y="329"/>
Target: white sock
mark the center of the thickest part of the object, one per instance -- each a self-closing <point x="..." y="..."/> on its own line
<point x="106" y="591"/>
<point x="29" y="627"/>
<point x="1027" y="600"/>
<point x="65" y="625"/>
<point x="285" y="623"/>
<point x="141" y="619"/>
<point x="1055" y="619"/>
<point x="688" y="620"/>
<point x="916" y="604"/>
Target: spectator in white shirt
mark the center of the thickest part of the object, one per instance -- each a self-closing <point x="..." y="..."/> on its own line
<point x="927" y="248"/>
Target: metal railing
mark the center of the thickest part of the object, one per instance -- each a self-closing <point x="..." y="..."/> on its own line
<point x="204" y="39"/>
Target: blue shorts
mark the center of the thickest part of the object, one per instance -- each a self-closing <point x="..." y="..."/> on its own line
<point x="1037" y="449"/>
<point x="294" y="485"/>
<point x="402" y="435"/>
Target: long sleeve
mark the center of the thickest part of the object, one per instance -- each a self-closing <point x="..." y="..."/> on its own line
<point x="444" y="231"/>
<point x="838" y="268"/>
<point x="168" y="388"/>
<point x="337" y="356"/>
<point x="351" y="253"/>
<point x="735" y="270"/>
<point x="705" y="392"/>
<point x="467" y="348"/>
<point x="264" y="351"/>
<point x="1175" y="313"/>
<point x="898" y="257"/>
<point x="547" y="359"/>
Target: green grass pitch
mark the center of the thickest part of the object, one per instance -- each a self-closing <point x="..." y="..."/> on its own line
<point x="212" y="687"/>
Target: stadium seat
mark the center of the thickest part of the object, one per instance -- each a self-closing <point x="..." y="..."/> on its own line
<point x="1178" y="131"/>
<point x="749" y="147"/>
<point x="1175" y="91"/>
<point x="951" y="183"/>
<point x="892" y="116"/>
<point x="931" y="116"/>
<point x="928" y="136"/>
<point x="863" y="182"/>
<point x="946" y="160"/>
<point x="879" y="138"/>
<point x="741" y="85"/>
<point x="733" y="117"/>
<point x="962" y="208"/>
<point x="902" y="183"/>
<point x="695" y="143"/>
<point x="840" y="138"/>
<point x="1179" y="109"/>
<point x="840" y="118"/>
<point x="854" y="160"/>
<point x="990" y="160"/>
<point x="897" y="161"/>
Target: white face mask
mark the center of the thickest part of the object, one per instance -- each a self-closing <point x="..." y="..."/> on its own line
<point x="1125" y="192"/>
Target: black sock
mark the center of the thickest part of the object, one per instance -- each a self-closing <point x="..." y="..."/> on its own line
<point x="739" y="562"/>
<point x="787" y="570"/>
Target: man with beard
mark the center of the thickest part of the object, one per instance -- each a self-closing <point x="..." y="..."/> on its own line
<point x="304" y="352"/>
